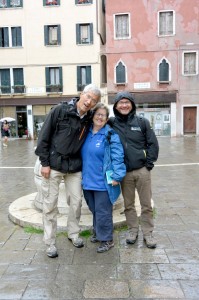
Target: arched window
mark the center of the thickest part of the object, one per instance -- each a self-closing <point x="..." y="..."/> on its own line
<point x="164" y="72"/>
<point x="120" y="73"/>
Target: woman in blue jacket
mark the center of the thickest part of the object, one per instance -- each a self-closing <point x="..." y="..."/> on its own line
<point x="102" y="151"/>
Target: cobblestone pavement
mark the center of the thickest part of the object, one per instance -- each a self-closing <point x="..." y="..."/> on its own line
<point x="171" y="271"/>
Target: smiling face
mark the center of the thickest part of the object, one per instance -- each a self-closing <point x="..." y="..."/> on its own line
<point x="100" y="118"/>
<point x="87" y="101"/>
<point x="124" y="106"/>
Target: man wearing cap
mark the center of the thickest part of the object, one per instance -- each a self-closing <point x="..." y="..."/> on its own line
<point x="141" y="151"/>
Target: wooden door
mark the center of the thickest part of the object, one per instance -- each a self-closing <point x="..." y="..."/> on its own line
<point x="189" y="120"/>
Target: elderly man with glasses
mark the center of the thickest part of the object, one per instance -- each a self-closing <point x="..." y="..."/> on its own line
<point x="58" y="148"/>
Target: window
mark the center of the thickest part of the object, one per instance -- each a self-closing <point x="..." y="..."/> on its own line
<point x="120" y="71"/>
<point x="190" y="63"/>
<point x="11" y="3"/>
<point x="84" y="33"/>
<point x="164" y="73"/>
<point x="12" y="81"/>
<point x="10" y="36"/>
<point x="122" y="26"/>
<point x="83" y="1"/>
<point x="51" y="2"/>
<point x="83" y="77"/>
<point x="54" y="80"/>
<point x="166" y="23"/>
<point x="52" y="35"/>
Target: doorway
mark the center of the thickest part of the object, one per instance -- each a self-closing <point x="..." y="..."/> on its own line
<point x="190" y="120"/>
<point x="21" y="121"/>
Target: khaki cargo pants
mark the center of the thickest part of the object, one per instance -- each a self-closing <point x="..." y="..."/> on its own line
<point x="141" y="181"/>
<point x="50" y="193"/>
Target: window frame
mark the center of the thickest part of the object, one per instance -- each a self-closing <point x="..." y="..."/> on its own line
<point x="9" y="4"/>
<point x="158" y="71"/>
<point x="16" y="85"/>
<point x="78" y="33"/>
<point x="10" y="38"/>
<point x="129" y="26"/>
<point x="196" y="63"/>
<point x="47" y="35"/>
<point x="115" y="73"/>
<point x="52" y="87"/>
<point x="166" y="34"/>
<point x="88" y="76"/>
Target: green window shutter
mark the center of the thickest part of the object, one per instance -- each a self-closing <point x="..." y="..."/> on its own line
<point x="18" y="76"/>
<point x="44" y="2"/>
<point x="77" y="33"/>
<point x="21" y="3"/>
<point x="91" y="33"/>
<point x="59" y="34"/>
<point x="47" y="71"/>
<point x="46" y="36"/>
<point x="19" y="38"/>
<point x="88" y="74"/>
<point x="8" y="3"/>
<point x="60" y="79"/>
<point x="1" y="37"/>
<point x="14" y="36"/>
<point x="5" y="81"/>
<point x="4" y="39"/>
<point x="79" y="82"/>
<point x="58" y="2"/>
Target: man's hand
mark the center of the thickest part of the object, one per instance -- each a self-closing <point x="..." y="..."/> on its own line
<point x="45" y="172"/>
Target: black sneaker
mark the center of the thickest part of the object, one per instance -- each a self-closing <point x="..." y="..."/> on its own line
<point x="105" y="246"/>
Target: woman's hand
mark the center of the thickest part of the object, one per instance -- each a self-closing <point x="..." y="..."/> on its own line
<point x="114" y="182"/>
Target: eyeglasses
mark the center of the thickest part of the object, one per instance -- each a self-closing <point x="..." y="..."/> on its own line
<point x="124" y="102"/>
<point x="93" y="100"/>
<point x="101" y="115"/>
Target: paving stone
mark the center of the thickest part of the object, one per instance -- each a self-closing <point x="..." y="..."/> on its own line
<point x="138" y="271"/>
<point x="109" y="289"/>
<point x="16" y="257"/>
<point x="179" y="271"/>
<point x="143" y="256"/>
<point x="155" y="289"/>
<point x="188" y="256"/>
<point x="12" y="290"/>
<point x="190" y="288"/>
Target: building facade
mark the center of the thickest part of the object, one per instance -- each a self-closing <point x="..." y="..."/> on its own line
<point x="49" y="50"/>
<point x="152" y="51"/>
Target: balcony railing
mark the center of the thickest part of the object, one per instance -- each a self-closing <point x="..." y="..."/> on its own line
<point x="54" y="88"/>
<point x="5" y="89"/>
<point x="18" y="89"/>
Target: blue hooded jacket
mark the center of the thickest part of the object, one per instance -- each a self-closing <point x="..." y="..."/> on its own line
<point x="101" y="152"/>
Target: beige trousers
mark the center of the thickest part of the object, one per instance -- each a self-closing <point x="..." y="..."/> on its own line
<point x="141" y="180"/>
<point x="50" y="193"/>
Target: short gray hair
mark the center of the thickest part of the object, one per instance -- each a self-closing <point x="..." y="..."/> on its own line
<point x="103" y="106"/>
<point x="92" y="88"/>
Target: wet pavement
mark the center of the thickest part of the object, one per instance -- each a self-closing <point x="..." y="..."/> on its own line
<point x="171" y="271"/>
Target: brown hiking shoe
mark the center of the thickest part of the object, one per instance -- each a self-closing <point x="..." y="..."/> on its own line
<point x="131" y="237"/>
<point x="150" y="241"/>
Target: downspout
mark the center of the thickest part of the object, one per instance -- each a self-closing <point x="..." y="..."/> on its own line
<point x="97" y="8"/>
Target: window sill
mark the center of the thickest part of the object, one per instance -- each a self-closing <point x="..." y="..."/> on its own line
<point x="119" y="84"/>
<point x="164" y="82"/>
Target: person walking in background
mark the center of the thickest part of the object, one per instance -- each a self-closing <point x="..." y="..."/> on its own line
<point x="102" y="153"/>
<point x="5" y="133"/>
<point x="58" y="148"/>
<point x="140" y="151"/>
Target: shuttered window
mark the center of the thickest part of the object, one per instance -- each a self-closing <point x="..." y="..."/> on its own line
<point x="5" y="84"/>
<point x="83" y="77"/>
<point x="4" y="37"/>
<point x="52" y="35"/>
<point x="190" y="63"/>
<point x="10" y="37"/>
<point x="122" y="26"/>
<point x="11" y="3"/>
<point x="84" y="33"/>
<point x="16" y="36"/>
<point x="18" y="79"/>
<point x="166" y="23"/>
<point x="54" y="79"/>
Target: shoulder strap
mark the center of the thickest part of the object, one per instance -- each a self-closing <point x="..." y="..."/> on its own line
<point x="142" y="124"/>
<point x="111" y="121"/>
<point x="109" y="137"/>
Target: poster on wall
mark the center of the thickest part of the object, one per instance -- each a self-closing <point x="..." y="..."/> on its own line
<point x="166" y="118"/>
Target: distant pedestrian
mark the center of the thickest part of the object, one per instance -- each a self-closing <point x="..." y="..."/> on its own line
<point x="102" y="154"/>
<point x="140" y="152"/>
<point x="58" y="148"/>
<point x="5" y="133"/>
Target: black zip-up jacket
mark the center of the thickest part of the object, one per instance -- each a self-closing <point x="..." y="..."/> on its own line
<point x="140" y="143"/>
<point x="61" y="138"/>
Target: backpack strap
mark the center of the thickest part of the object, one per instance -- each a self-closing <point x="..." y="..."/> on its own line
<point x="111" y="121"/>
<point x="142" y="124"/>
